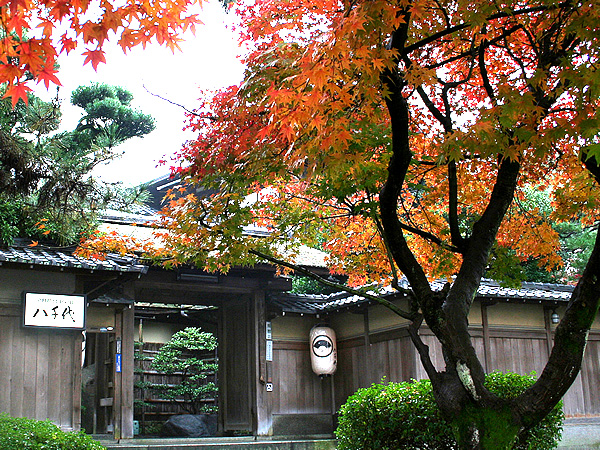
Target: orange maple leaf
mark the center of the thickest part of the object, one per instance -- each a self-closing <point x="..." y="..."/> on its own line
<point x="95" y="57"/>
<point x="60" y="10"/>
<point x="15" y="5"/>
<point x="28" y="56"/>
<point x="16" y="92"/>
<point x="68" y="44"/>
<point x="18" y="23"/>
<point x="9" y="73"/>
<point x="47" y="27"/>
<point x="47" y="75"/>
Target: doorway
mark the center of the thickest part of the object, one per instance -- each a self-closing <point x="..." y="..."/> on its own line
<point x="98" y="382"/>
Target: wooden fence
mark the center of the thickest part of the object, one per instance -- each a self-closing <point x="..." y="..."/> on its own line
<point x="39" y="371"/>
<point x="150" y="406"/>
<point x="392" y="355"/>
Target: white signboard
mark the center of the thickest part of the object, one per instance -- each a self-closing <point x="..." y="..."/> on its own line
<point x="269" y="352"/>
<point x="54" y="311"/>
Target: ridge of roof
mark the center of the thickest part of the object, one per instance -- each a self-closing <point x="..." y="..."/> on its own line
<point x="313" y="304"/>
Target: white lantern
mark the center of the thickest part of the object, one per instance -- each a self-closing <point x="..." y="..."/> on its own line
<point x="323" y="350"/>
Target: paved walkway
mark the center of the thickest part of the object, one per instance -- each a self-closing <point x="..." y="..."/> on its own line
<point x="578" y="434"/>
<point x="581" y="434"/>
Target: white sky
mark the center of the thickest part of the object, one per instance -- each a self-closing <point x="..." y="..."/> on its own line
<point x="207" y="61"/>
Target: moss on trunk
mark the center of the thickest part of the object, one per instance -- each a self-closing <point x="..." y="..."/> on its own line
<point x="481" y="428"/>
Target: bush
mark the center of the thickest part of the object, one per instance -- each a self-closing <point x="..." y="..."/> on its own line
<point x="393" y="416"/>
<point x="186" y="354"/>
<point x="18" y="433"/>
<point x="405" y="416"/>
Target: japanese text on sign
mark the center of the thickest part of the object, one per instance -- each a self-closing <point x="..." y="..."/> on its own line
<point x="56" y="311"/>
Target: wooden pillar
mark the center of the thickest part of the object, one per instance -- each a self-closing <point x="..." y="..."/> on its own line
<point x="77" y="359"/>
<point x="263" y="398"/>
<point x="115" y="349"/>
<point x="123" y="349"/>
<point x="486" y="337"/>
<point x="127" y="368"/>
<point x="548" y="327"/>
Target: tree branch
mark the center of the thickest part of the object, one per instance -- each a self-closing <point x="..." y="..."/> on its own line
<point x="429" y="237"/>
<point x="382" y="301"/>
<point x="422" y="348"/>
<point x="455" y="234"/>
<point x="189" y="111"/>
<point x="569" y="345"/>
<point x="450" y="30"/>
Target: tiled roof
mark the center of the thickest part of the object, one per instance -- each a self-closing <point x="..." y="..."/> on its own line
<point x="528" y="291"/>
<point x="321" y="304"/>
<point x="65" y="259"/>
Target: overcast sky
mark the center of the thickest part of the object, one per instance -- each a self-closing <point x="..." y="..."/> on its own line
<point x="207" y="61"/>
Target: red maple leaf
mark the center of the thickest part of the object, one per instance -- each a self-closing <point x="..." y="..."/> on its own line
<point x="47" y="75"/>
<point x="16" y="92"/>
<point x="68" y="44"/>
<point x="95" y="57"/>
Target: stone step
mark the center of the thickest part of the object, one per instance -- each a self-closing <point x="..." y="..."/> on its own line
<point x="227" y="443"/>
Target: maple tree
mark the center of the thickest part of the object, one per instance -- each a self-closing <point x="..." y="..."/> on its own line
<point x="404" y="137"/>
<point x="33" y="34"/>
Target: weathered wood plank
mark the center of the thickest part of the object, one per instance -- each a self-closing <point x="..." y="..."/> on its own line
<point x="54" y="374"/>
<point x="236" y="374"/>
<point x="67" y="383"/>
<point x="42" y="382"/>
<point x="30" y="369"/>
<point x="16" y="384"/>
<point x="6" y="349"/>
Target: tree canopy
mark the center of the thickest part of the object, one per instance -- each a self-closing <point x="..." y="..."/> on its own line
<point x="311" y="125"/>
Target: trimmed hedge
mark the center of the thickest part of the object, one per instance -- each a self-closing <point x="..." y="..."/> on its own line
<point x="404" y="416"/>
<point x="17" y="433"/>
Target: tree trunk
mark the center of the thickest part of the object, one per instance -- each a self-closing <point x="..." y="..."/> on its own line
<point x="485" y="423"/>
<point x="479" y="428"/>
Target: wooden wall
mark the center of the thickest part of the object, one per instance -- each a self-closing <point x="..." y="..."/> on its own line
<point x="38" y="371"/>
<point x="296" y="389"/>
<point x="583" y="399"/>
<point x="391" y="355"/>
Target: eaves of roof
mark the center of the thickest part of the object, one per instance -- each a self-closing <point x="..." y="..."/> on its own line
<point x="489" y="290"/>
<point x="43" y="257"/>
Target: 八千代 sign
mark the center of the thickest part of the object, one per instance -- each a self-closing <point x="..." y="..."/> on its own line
<point x="54" y="311"/>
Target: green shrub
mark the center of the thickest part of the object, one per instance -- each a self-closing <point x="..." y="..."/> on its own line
<point x="405" y="416"/>
<point x="393" y="416"/>
<point x="18" y="433"/>
<point x="187" y="354"/>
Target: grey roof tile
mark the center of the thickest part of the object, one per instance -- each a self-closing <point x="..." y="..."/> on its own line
<point x="488" y="289"/>
<point x="56" y="258"/>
